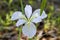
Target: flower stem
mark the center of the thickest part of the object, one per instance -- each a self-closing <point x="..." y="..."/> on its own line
<point x="20" y="28"/>
<point x="22" y="8"/>
<point x="19" y="35"/>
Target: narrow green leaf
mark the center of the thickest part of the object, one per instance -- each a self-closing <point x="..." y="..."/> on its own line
<point x="43" y="4"/>
<point x="22" y="8"/>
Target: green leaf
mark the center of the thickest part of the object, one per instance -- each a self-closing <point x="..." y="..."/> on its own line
<point x="43" y="6"/>
<point x="22" y="6"/>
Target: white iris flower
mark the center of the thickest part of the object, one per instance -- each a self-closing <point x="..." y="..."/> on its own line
<point x="29" y="29"/>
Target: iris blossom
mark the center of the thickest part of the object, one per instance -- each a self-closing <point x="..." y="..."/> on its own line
<point x="28" y="19"/>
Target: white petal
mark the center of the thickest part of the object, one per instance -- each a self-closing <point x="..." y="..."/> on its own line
<point x="37" y="11"/>
<point x="16" y="15"/>
<point x="28" y="11"/>
<point x="20" y="22"/>
<point x="35" y="14"/>
<point x="36" y="20"/>
<point x="44" y="15"/>
<point x="29" y="31"/>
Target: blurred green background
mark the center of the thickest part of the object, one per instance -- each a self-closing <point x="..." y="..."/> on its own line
<point x="7" y="7"/>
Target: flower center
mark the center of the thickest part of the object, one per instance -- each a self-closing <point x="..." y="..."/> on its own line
<point x="29" y="22"/>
